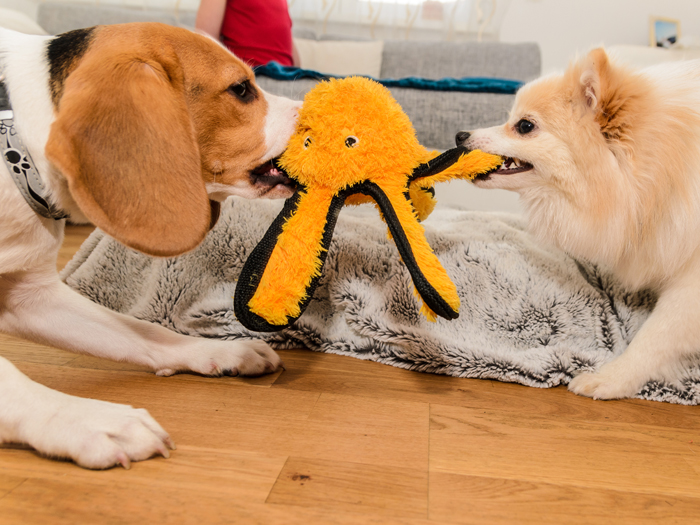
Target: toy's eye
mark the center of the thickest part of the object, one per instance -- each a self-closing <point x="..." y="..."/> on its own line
<point x="307" y="142"/>
<point x="352" y="141"/>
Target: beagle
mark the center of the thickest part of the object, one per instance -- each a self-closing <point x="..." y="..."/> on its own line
<point x="140" y="129"/>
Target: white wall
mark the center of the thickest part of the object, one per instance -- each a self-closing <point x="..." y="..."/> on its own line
<point x="28" y="7"/>
<point x="565" y="27"/>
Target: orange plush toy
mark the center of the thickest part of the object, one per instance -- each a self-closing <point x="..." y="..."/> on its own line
<point x="353" y="144"/>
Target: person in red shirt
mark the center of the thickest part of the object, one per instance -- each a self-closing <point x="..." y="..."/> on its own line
<point x="256" y="31"/>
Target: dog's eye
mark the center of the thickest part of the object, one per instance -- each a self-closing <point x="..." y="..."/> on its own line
<point x="352" y="141"/>
<point x="524" y="126"/>
<point x="244" y="91"/>
<point x="307" y="142"/>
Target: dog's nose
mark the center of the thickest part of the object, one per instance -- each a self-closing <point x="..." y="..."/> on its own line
<point x="461" y="137"/>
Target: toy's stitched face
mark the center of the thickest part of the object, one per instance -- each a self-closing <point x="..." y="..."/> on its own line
<point x="351" y="141"/>
<point x="350" y="131"/>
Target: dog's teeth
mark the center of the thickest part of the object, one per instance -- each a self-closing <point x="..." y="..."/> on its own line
<point x="516" y="162"/>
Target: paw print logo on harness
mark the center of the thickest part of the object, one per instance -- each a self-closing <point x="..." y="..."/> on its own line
<point x="19" y="163"/>
<point x="14" y="158"/>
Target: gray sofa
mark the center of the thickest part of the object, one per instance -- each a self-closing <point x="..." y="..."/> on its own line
<point x="437" y="116"/>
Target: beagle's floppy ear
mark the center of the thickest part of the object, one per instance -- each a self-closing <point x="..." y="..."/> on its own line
<point x="124" y="140"/>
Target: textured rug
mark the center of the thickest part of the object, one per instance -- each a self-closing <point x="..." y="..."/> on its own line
<point x="529" y="315"/>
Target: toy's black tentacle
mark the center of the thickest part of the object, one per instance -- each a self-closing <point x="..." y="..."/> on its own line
<point x="257" y="261"/>
<point x="439" y="163"/>
<point x="430" y="295"/>
<point x="252" y="271"/>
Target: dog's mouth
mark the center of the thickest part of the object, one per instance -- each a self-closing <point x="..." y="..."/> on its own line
<point x="270" y="175"/>
<point x="511" y="166"/>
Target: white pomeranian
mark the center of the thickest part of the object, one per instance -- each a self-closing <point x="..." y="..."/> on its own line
<point x="607" y="163"/>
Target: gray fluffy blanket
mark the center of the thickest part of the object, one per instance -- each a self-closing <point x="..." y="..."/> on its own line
<point x="529" y="314"/>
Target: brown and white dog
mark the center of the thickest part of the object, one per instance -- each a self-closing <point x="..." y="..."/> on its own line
<point x="607" y="163"/>
<point x="140" y="129"/>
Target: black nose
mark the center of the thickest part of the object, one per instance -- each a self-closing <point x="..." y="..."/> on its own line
<point x="461" y="137"/>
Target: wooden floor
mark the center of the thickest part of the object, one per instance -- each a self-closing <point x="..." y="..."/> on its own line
<point x="338" y="440"/>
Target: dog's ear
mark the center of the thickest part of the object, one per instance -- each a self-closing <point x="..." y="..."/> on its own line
<point x="604" y="93"/>
<point x="592" y="82"/>
<point x="124" y="140"/>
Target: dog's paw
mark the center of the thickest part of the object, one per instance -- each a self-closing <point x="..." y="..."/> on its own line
<point x="216" y="358"/>
<point x="610" y="382"/>
<point x="99" y="435"/>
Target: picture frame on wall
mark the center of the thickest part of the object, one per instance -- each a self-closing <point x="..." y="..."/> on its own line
<point x="664" y="32"/>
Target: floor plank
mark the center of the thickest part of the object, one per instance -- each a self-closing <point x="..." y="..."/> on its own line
<point x="476" y="499"/>
<point x="71" y="502"/>
<point x="228" y="474"/>
<point x="586" y="454"/>
<point x="9" y="482"/>
<point x="354" y="487"/>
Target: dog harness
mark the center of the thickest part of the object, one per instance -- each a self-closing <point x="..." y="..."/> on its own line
<point x="20" y="164"/>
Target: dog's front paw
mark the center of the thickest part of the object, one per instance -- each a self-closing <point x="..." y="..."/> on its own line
<point x="216" y="358"/>
<point x="97" y="434"/>
<point x="612" y="381"/>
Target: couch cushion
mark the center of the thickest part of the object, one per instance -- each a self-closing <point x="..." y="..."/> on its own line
<point x="341" y="57"/>
<point x="303" y="32"/>
<point x="58" y="18"/>
<point x="17" y="21"/>
<point x="438" y="116"/>
<point x="437" y="60"/>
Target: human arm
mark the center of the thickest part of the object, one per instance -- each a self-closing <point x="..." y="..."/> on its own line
<point x="210" y="17"/>
<point x="296" y="61"/>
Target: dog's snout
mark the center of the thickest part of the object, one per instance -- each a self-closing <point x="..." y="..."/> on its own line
<point x="461" y="137"/>
<point x="295" y="110"/>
